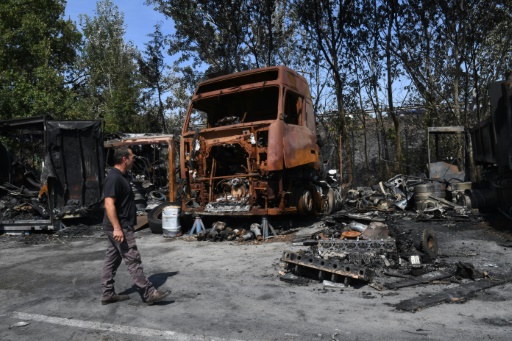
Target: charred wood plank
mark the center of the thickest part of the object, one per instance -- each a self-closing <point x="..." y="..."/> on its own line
<point x="457" y="294"/>
<point x="424" y="279"/>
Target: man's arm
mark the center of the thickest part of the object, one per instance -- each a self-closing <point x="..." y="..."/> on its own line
<point x="110" y="208"/>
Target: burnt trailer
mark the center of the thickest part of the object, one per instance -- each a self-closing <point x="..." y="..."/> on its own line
<point x="249" y="147"/>
<point x="492" y="148"/>
<point x="51" y="170"/>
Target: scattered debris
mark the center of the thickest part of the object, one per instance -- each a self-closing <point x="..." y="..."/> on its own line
<point x="424" y="279"/>
<point x="329" y="284"/>
<point x="51" y="170"/>
<point x="451" y="295"/>
<point x="293" y="279"/>
<point x="19" y="324"/>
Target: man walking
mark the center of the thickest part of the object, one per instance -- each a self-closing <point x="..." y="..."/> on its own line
<point x="120" y="217"/>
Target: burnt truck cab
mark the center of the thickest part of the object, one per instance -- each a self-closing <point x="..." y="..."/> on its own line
<point x="249" y="147"/>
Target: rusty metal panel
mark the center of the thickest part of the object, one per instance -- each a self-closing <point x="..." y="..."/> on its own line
<point x="444" y="170"/>
<point x="299" y="144"/>
<point x="275" y="146"/>
<point x="310" y="116"/>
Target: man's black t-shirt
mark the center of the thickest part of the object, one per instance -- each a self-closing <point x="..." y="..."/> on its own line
<point x="117" y="186"/>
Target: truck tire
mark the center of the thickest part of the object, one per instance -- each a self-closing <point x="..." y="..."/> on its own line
<point x="306" y="202"/>
<point x="155" y="217"/>
<point x="330" y="202"/>
<point x="429" y="246"/>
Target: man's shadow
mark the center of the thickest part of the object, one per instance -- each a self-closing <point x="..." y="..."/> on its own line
<point x="157" y="280"/>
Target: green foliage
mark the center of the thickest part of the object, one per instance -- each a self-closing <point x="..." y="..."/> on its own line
<point x="231" y="35"/>
<point x="109" y="85"/>
<point x="37" y="49"/>
<point x="155" y="80"/>
<point x="184" y="81"/>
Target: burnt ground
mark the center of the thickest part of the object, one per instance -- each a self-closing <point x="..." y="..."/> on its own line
<point x="230" y="290"/>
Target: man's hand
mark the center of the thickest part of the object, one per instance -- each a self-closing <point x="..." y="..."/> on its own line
<point x="119" y="235"/>
<point x="110" y="208"/>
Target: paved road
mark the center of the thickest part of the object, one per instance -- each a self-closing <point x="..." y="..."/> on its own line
<point x="231" y="291"/>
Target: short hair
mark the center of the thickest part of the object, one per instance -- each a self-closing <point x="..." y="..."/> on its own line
<point x="119" y="153"/>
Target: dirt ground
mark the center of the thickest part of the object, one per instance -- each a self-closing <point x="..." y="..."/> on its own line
<point x="50" y="290"/>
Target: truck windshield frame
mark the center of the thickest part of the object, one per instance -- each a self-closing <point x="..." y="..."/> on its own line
<point x="235" y="107"/>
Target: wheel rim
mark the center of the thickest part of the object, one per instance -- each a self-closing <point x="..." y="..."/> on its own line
<point x="306" y="202"/>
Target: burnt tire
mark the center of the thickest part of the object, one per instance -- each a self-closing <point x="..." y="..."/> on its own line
<point x="329" y="206"/>
<point x="155" y="217"/>
<point x="428" y="245"/>
<point x="306" y="203"/>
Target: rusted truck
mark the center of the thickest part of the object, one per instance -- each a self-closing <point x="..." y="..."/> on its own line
<point x="249" y="147"/>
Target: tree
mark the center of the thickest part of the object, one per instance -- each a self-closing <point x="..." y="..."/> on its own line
<point x="184" y="81"/>
<point x="272" y="35"/>
<point x="109" y="85"/>
<point x="332" y="25"/>
<point x="211" y="32"/>
<point x="37" y="50"/>
<point x="154" y="78"/>
<point x="231" y="35"/>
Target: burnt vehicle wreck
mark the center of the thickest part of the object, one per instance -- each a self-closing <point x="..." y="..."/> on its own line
<point x="52" y="170"/>
<point x="249" y="147"/>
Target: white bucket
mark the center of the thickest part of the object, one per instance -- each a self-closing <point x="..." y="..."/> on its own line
<point x="170" y="221"/>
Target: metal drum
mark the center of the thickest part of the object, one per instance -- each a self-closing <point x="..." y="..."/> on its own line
<point x="422" y="193"/>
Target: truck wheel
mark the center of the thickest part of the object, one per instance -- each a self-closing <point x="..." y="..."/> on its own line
<point x="155" y="217"/>
<point x="329" y="206"/>
<point x="429" y="246"/>
<point x="306" y="203"/>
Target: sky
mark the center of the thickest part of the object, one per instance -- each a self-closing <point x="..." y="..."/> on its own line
<point x="139" y="19"/>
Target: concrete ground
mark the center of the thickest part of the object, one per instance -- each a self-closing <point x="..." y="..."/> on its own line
<point x="231" y="291"/>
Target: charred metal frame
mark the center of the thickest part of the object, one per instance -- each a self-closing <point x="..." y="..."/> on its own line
<point x="152" y="140"/>
<point x="436" y="131"/>
<point x="256" y="152"/>
<point x="71" y="175"/>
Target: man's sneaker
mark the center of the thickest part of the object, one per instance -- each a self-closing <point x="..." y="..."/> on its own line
<point x="115" y="298"/>
<point x="157" y="296"/>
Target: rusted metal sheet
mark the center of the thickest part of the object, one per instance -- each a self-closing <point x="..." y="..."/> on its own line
<point x="299" y="146"/>
<point x="444" y="170"/>
<point x="275" y="149"/>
